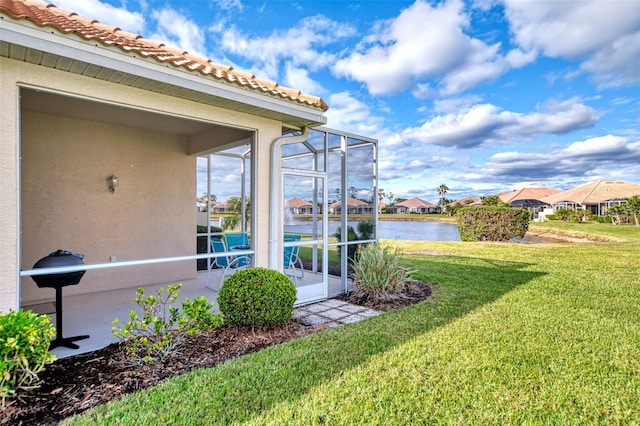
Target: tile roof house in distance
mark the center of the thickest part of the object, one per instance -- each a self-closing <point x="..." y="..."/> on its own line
<point x="83" y="100"/>
<point x="462" y="202"/>
<point x="354" y="206"/>
<point x="596" y="196"/>
<point x="414" y="205"/>
<point x="529" y="199"/>
<point x="297" y="205"/>
<point x="536" y="193"/>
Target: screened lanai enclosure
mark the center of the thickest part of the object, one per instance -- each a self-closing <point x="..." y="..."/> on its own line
<point x="313" y="176"/>
<point x="182" y="185"/>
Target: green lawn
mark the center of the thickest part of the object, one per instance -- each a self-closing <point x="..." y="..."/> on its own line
<point x="514" y="334"/>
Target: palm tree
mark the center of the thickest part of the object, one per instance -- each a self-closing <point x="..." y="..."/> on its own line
<point x="633" y="205"/>
<point x="442" y="190"/>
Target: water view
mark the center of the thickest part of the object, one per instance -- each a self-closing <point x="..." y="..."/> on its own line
<point x="394" y="230"/>
<point x="405" y="230"/>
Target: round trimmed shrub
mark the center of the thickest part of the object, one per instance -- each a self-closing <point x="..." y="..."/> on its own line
<point x="257" y="297"/>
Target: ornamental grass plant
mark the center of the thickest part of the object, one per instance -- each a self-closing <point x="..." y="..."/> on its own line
<point x="378" y="271"/>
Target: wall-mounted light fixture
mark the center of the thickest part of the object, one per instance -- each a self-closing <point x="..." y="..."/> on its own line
<point x="113" y="183"/>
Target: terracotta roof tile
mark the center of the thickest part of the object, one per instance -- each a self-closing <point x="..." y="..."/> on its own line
<point x="297" y="202"/>
<point x="466" y="201"/>
<point x="527" y="194"/>
<point x="66" y="22"/>
<point x="416" y="202"/>
<point x="595" y="192"/>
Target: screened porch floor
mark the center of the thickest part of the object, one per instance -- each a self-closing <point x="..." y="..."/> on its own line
<point x="94" y="313"/>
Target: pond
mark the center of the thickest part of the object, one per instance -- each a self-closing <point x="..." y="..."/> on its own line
<point x="393" y="230"/>
<point x="405" y="230"/>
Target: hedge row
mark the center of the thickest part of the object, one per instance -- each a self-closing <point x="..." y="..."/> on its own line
<point x="490" y="223"/>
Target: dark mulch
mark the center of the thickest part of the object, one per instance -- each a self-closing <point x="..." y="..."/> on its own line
<point x="413" y="292"/>
<point x="74" y="384"/>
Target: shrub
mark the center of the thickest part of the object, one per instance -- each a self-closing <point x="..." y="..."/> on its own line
<point x="378" y="270"/>
<point x="162" y="328"/>
<point x="490" y="223"/>
<point x="198" y="316"/>
<point x="25" y="338"/>
<point x="257" y="297"/>
<point x="366" y="230"/>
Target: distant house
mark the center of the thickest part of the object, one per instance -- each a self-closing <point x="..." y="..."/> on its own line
<point x="353" y="206"/>
<point x="297" y="205"/>
<point x="463" y="202"/>
<point x="597" y="196"/>
<point x="219" y="208"/>
<point x="413" y="205"/>
<point x="520" y="197"/>
<point x="529" y="199"/>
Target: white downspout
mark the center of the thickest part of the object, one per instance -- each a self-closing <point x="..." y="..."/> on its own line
<point x="274" y="195"/>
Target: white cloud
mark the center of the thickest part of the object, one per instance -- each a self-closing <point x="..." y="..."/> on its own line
<point x="597" y="146"/>
<point x="486" y="123"/>
<point x="299" y="78"/>
<point x="423" y="42"/>
<point x="605" y="34"/>
<point x="297" y="45"/>
<point x="517" y="58"/>
<point x="119" y="17"/>
<point x="177" y="30"/>
<point x="455" y="104"/>
<point x="619" y="65"/>
<point x="229" y="5"/>
<point x="606" y="155"/>
<point x="350" y="114"/>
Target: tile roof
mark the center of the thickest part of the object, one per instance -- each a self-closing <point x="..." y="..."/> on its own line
<point x="595" y="192"/>
<point x="466" y="201"/>
<point x="350" y="202"/>
<point x="415" y="202"/>
<point x="527" y="194"/>
<point x="48" y="15"/>
<point x="297" y="202"/>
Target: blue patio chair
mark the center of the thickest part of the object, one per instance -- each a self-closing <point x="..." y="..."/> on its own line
<point x="292" y="261"/>
<point x="235" y="239"/>
<point x="226" y="262"/>
<point x="239" y="241"/>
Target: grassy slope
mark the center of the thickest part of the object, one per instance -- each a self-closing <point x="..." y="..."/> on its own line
<point x="515" y="333"/>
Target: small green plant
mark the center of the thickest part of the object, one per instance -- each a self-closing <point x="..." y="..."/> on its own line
<point x="257" y="297"/>
<point x="162" y="327"/>
<point x="25" y="338"/>
<point x="378" y="271"/>
<point x="197" y="315"/>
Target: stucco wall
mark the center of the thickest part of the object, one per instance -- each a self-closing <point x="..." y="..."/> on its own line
<point x="9" y="189"/>
<point x="66" y="203"/>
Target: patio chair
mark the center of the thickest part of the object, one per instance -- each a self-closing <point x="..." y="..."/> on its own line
<point x="292" y="261"/>
<point x="226" y="262"/>
<point x="236" y="239"/>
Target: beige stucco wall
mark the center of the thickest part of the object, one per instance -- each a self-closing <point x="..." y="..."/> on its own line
<point x="70" y="207"/>
<point x="9" y="237"/>
<point x="66" y="203"/>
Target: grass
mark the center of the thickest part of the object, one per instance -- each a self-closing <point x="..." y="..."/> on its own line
<point x="514" y="334"/>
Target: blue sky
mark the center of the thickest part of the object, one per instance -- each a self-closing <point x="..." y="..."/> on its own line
<point x="484" y="96"/>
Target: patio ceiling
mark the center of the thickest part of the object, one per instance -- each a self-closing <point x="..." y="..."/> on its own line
<point x="101" y="112"/>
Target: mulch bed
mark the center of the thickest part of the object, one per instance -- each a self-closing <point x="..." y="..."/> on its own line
<point x="74" y="384"/>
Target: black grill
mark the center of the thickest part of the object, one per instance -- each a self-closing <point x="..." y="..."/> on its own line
<point x="57" y="259"/>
